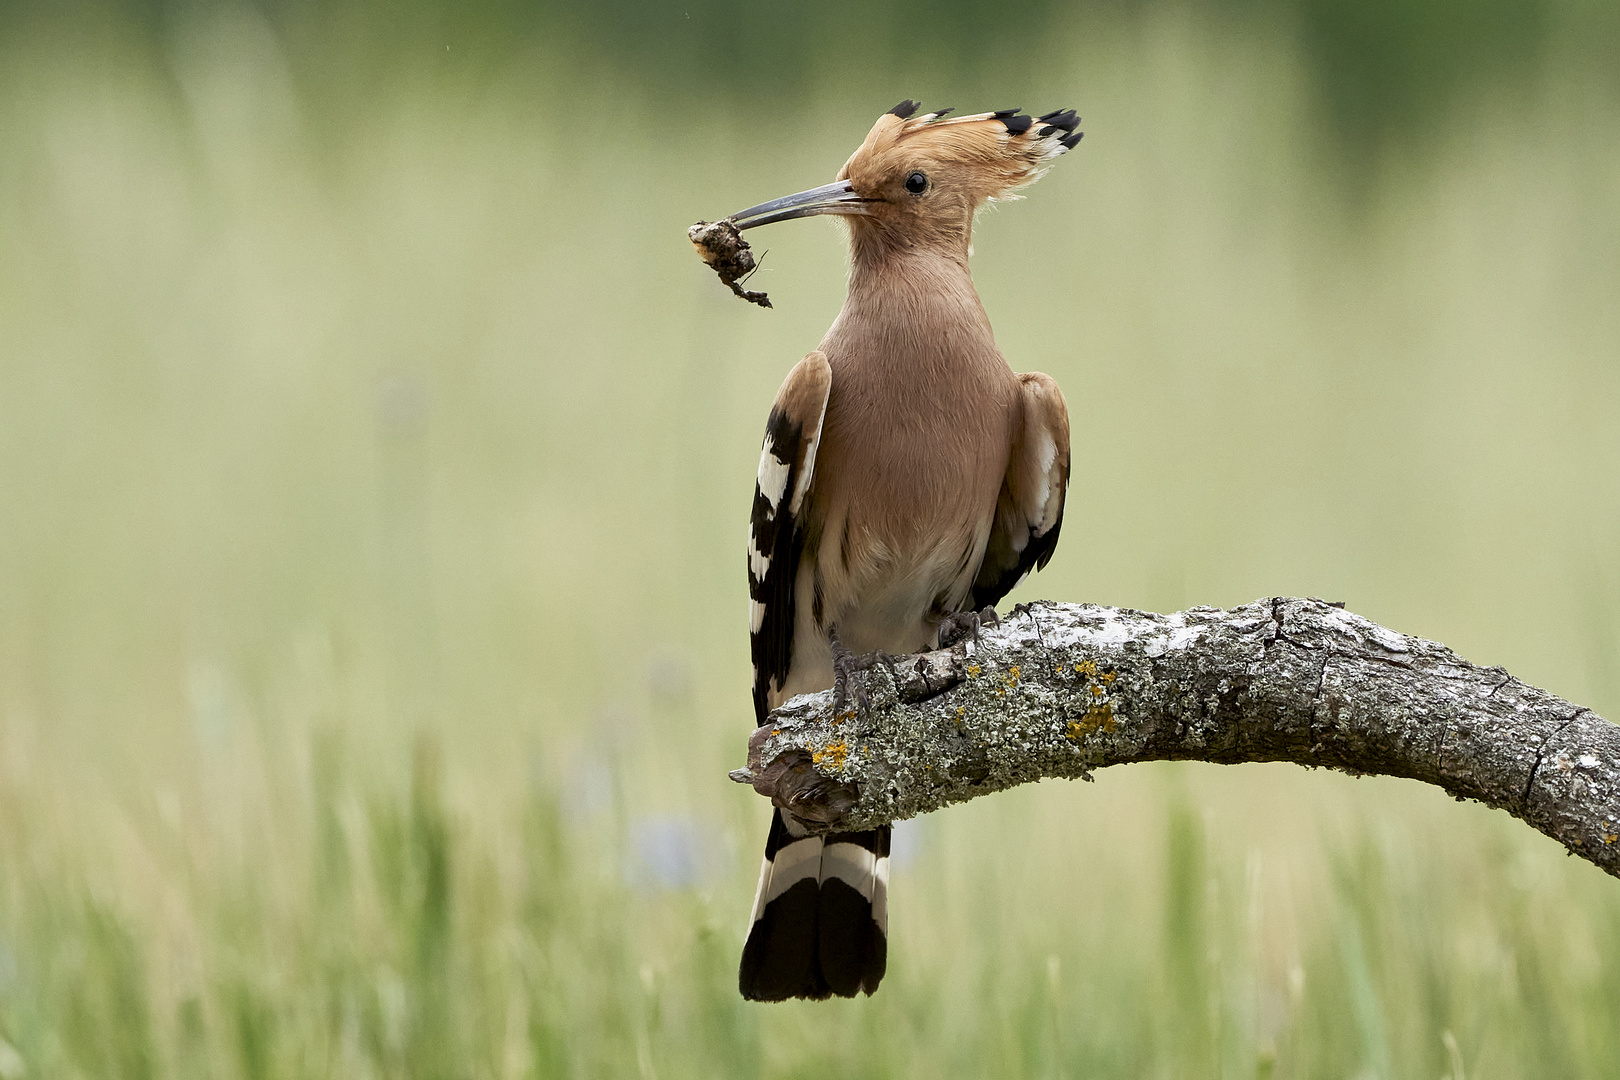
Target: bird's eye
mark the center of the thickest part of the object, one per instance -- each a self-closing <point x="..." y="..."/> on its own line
<point x="916" y="183"/>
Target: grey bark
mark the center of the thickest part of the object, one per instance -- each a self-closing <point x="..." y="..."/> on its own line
<point x="1060" y="690"/>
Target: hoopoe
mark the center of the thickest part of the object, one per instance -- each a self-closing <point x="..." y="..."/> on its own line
<point x="908" y="475"/>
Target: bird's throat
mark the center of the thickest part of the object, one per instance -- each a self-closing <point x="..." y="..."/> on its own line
<point x="914" y="294"/>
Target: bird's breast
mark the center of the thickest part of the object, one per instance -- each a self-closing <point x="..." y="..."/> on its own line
<point x="911" y="461"/>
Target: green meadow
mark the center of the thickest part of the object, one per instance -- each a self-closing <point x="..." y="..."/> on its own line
<point x="375" y="457"/>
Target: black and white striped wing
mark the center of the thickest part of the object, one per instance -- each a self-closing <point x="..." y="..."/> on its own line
<point x="820" y="919"/>
<point x="787" y="464"/>
<point x="1029" y="512"/>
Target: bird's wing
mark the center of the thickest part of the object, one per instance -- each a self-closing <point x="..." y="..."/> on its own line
<point x="776" y="532"/>
<point x="1029" y="512"/>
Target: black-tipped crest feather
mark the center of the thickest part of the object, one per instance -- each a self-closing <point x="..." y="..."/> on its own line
<point x="1061" y="118"/>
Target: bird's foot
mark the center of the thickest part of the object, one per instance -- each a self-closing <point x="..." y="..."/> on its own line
<point x="846" y="667"/>
<point x="965" y="624"/>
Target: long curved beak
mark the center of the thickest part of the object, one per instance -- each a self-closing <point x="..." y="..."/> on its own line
<point x="835" y="198"/>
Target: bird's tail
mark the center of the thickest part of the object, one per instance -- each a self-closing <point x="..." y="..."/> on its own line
<point x="820" y="917"/>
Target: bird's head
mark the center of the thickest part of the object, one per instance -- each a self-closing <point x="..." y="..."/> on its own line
<point x="917" y="180"/>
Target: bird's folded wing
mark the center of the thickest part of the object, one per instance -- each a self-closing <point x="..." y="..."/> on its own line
<point x="1029" y="512"/>
<point x="787" y="465"/>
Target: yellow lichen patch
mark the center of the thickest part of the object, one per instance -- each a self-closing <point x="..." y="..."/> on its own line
<point x="1013" y="673"/>
<point x="1609" y="838"/>
<point x="831" y="756"/>
<point x="1109" y="676"/>
<point x="974" y="670"/>
<point x="961" y="714"/>
<point x="1088" y="668"/>
<point x="776" y="731"/>
<point x="1098" y="717"/>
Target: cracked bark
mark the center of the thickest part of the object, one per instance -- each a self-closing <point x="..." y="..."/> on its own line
<point x="1060" y="690"/>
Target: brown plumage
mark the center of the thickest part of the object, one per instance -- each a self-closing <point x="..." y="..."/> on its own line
<point x="908" y="474"/>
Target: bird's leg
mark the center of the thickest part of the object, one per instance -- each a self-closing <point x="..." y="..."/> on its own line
<point x="964" y="624"/>
<point x="847" y="664"/>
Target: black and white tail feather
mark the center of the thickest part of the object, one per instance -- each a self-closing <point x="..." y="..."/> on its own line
<point x="821" y="915"/>
<point x="820" y="920"/>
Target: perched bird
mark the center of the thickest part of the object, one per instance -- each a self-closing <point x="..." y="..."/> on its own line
<point x="908" y="476"/>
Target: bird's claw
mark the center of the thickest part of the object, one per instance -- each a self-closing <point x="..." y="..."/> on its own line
<point x="965" y="624"/>
<point x="844" y="668"/>
<point x="846" y="665"/>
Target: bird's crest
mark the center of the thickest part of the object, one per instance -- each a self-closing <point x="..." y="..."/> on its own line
<point x="989" y="155"/>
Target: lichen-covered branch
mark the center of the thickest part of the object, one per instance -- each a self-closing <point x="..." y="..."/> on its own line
<point x="1064" y="689"/>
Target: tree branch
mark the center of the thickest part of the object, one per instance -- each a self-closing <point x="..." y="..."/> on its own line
<point x="1059" y="690"/>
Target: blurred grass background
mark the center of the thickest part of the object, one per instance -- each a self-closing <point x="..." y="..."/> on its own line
<point x="374" y="456"/>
